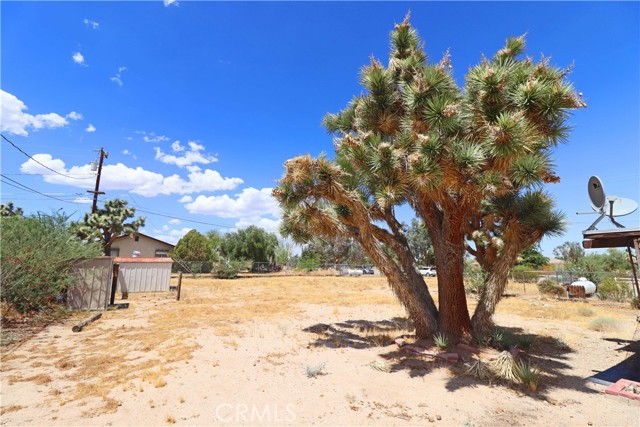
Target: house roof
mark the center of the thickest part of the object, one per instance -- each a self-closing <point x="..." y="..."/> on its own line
<point x="144" y="235"/>
<point x="614" y="238"/>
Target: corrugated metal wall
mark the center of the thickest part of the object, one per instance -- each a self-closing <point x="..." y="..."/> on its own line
<point x="138" y="275"/>
<point x="91" y="290"/>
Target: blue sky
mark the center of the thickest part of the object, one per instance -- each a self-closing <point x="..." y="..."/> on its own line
<point x="199" y="103"/>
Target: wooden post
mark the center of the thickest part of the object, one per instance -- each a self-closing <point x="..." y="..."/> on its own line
<point x="633" y="268"/>
<point x="79" y="326"/>
<point x="114" y="283"/>
<point x="179" y="285"/>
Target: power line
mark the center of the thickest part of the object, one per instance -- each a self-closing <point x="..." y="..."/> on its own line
<point x="86" y="176"/>
<point x="41" y="164"/>
<point x="183" y="219"/>
<point x="22" y="186"/>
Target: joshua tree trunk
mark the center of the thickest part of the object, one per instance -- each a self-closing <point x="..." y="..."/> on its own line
<point x="448" y="244"/>
<point x="494" y="286"/>
<point x="410" y="290"/>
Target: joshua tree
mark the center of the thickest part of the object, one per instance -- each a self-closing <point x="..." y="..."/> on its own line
<point x="10" y="210"/>
<point x="468" y="161"/>
<point x="107" y="223"/>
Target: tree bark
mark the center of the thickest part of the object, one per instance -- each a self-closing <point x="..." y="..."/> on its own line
<point x="410" y="290"/>
<point x="494" y="285"/>
<point x="448" y="243"/>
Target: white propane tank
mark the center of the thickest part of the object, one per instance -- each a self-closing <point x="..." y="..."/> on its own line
<point x="589" y="286"/>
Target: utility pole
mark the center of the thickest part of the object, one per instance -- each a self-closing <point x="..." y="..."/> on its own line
<point x="103" y="155"/>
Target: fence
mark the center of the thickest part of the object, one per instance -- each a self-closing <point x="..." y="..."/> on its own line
<point x="316" y="269"/>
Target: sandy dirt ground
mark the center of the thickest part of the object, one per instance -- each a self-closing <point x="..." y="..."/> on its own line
<point x="299" y="351"/>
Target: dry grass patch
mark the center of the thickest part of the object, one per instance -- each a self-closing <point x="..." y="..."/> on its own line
<point x="603" y="324"/>
<point x="9" y="409"/>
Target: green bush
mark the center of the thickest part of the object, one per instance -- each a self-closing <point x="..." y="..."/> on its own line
<point x="474" y="278"/>
<point x="37" y="254"/>
<point x="612" y="290"/>
<point x="523" y="274"/>
<point x="231" y="269"/>
<point x="550" y="287"/>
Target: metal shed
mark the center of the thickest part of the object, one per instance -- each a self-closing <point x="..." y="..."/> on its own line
<point x="92" y="286"/>
<point x="144" y="274"/>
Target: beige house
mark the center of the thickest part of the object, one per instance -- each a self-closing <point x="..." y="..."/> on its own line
<point x="145" y="246"/>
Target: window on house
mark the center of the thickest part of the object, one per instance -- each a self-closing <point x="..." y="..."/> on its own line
<point x="162" y="253"/>
<point x="137" y="238"/>
<point x="114" y="252"/>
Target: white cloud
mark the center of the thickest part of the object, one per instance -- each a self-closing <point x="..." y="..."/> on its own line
<point x="270" y="225"/>
<point x="74" y="116"/>
<point x="175" y="221"/>
<point x="249" y="203"/>
<point x="117" y="79"/>
<point x="185" y="199"/>
<point x="78" y="58"/>
<point x="91" y="128"/>
<point x="172" y="236"/>
<point x="83" y="199"/>
<point x="128" y="153"/>
<point x="16" y="121"/>
<point x="137" y="180"/>
<point x="168" y="3"/>
<point x="193" y="155"/>
<point x="91" y="24"/>
<point x="152" y="138"/>
<point x="177" y="147"/>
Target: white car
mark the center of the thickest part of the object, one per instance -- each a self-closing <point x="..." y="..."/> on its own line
<point x="428" y="271"/>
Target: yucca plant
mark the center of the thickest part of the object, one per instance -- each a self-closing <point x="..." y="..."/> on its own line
<point x="441" y="341"/>
<point x="478" y="369"/>
<point x="528" y="375"/>
<point x="504" y="366"/>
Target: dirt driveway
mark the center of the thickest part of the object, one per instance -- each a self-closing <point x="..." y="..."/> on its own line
<point x="302" y="351"/>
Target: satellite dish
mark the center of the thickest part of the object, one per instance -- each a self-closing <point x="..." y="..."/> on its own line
<point x="596" y="194"/>
<point x="619" y="206"/>
<point x="611" y="206"/>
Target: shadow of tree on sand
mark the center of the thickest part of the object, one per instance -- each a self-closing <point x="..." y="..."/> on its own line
<point x="548" y="354"/>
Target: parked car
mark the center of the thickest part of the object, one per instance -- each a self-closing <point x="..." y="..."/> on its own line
<point x="367" y="270"/>
<point x="428" y="271"/>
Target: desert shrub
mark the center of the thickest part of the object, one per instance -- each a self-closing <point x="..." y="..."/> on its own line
<point x="314" y="371"/>
<point x="474" y="278"/>
<point x="523" y="274"/>
<point x="635" y="303"/>
<point x="528" y="375"/>
<point x="550" y="287"/>
<point x="586" y="311"/>
<point x="612" y="290"/>
<point x="37" y="254"/>
<point x="501" y="339"/>
<point x="525" y="341"/>
<point x="603" y="324"/>
<point x="230" y="269"/>
<point x="308" y="262"/>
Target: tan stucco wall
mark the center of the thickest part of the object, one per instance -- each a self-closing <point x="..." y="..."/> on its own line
<point x="146" y="246"/>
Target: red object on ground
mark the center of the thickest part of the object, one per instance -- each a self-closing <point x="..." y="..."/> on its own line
<point x="451" y="357"/>
<point x="468" y="348"/>
<point x="618" y="389"/>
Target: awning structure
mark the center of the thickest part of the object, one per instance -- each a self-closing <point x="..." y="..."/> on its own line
<point x="614" y="238"/>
